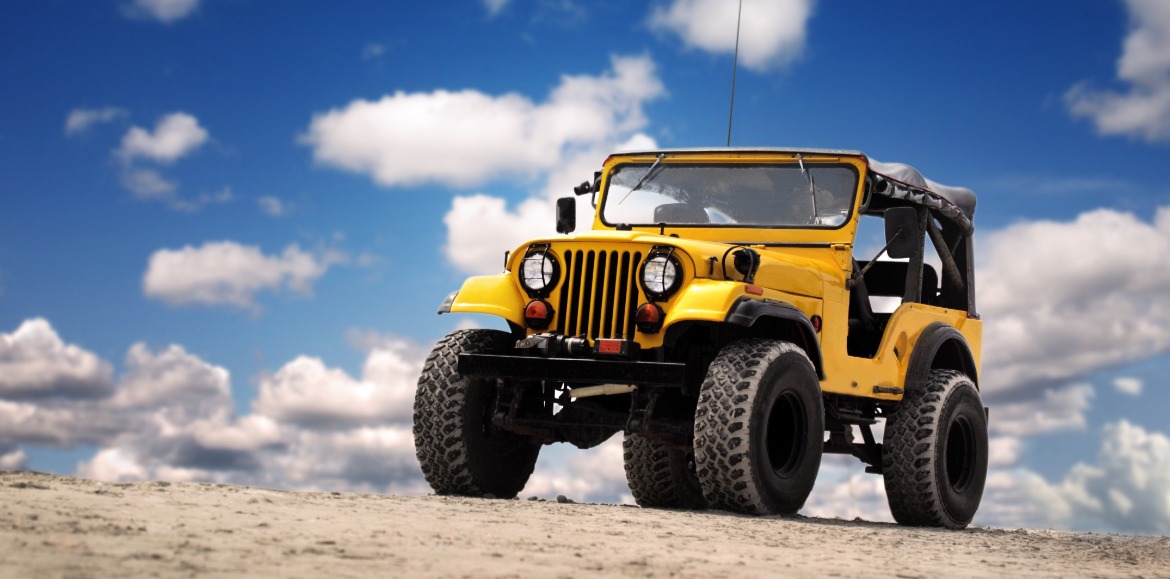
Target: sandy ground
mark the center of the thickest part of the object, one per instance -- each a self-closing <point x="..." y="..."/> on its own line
<point x="53" y="526"/>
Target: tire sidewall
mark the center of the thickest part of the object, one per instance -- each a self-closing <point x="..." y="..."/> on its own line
<point x="962" y="402"/>
<point x="789" y="378"/>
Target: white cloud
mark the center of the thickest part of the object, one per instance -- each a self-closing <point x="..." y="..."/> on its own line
<point x="843" y="490"/>
<point x="148" y="184"/>
<point x="494" y="7"/>
<point x="1063" y="299"/>
<point x="1004" y="451"/>
<point x="165" y="11"/>
<point x="1129" y="386"/>
<point x="231" y="274"/>
<point x="273" y="206"/>
<point x="80" y="120"/>
<point x="174" y="136"/>
<point x="772" y="32"/>
<point x="306" y="393"/>
<point x="1128" y="489"/>
<point x="12" y="458"/>
<point x="173" y="385"/>
<point x="35" y="362"/>
<point x="594" y="475"/>
<point x="170" y="416"/>
<point x="1051" y="410"/>
<point x="1144" y="109"/>
<point x="467" y="138"/>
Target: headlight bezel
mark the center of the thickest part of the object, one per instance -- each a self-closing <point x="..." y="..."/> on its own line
<point x="662" y="259"/>
<point x="543" y="255"/>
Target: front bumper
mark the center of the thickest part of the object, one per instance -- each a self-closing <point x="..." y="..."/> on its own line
<point x="572" y="370"/>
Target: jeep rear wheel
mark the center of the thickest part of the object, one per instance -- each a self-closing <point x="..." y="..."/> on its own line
<point x="934" y="453"/>
<point x="461" y="452"/>
<point x="759" y="428"/>
<point x="661" y="476"/>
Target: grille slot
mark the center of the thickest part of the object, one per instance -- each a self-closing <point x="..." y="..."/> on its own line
<point x="599" y="295"/>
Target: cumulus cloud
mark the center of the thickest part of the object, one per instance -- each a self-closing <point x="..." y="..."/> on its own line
<point x="1143" y="110"/>
<point x="165" y="11"/>
<point x="771" y="34"/>
<point x="80" y="120"/>
<point x="466" y="138"/>
<point x="306" y="393"/>
<point x="36" y="363"/>
<point x="170" y="415"/>
<point x="174" y="136"/>
<point x="1127" y="489"/>
<point x="1128" y="386"/>
<point x="595" y="475"/>
<point x="230" y="274"/>
<point x="1063" y="299"/>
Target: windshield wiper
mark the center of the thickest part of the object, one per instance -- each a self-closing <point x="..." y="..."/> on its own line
<point x="645" y="176"/>
<point x="812" y="188"/>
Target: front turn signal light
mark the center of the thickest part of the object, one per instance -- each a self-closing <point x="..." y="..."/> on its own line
<point x="649" y="318"/>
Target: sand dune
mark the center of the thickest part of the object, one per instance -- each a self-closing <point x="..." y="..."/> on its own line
<point x="54" y="526"/>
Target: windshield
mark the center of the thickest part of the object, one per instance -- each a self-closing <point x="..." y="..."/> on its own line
<point x="730" y="195"/>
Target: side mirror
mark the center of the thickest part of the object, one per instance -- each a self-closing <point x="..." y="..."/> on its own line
<point x="566" y="214"/>
<point x="902" y="232"/>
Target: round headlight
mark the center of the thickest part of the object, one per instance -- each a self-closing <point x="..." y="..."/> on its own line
<point x="538" y="271"/>
<point x="660" y="276"/>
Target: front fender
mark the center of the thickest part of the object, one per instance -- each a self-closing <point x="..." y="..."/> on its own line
<point x="495" y="295"/>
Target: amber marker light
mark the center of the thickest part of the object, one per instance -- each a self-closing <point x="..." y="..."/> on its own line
<point x="649" y="318"/>
<point x="538" y="314"/>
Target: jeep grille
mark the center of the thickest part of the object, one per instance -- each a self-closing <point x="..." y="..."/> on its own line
<point x="599" y="295"/>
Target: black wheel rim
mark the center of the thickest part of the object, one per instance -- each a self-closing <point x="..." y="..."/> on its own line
<point x="960" y="454"/>
<point x="786" y="434"/>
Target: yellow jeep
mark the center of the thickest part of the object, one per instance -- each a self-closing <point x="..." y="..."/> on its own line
<point x="725" y="316"/>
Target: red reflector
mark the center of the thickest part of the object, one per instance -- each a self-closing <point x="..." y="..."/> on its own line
<point x="754" y="289"/>
<point x="816" y="323"/>
<point x="609" y="347"/>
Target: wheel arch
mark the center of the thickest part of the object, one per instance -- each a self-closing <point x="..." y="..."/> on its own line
<point x="774" y="319"/>
<point x="941" y="347"/>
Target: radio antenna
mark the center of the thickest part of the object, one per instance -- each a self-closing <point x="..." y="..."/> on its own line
<point x="734" y="66"/>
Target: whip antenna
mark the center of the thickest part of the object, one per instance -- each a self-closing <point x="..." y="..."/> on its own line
<point x="734" y="66"/>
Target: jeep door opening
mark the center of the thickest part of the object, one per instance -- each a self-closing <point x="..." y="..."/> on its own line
<point x="723" y="314"/>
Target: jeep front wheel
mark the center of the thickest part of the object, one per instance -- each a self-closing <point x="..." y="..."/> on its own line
<point x="934" y="452"/>
<point x="759" y="428"/>
<point x="661" y="476"/>
<point x="459" y="449"/>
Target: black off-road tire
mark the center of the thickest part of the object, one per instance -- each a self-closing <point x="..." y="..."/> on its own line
<point x="934" y="453"/>
<point x="759" y="428"/>
<point x="459" y="450"/>
<point x="661" y="476"/>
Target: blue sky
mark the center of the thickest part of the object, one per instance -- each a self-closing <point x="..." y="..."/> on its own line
<point x="227" y="224"/>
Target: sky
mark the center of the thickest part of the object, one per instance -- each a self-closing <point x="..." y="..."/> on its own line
<point x="226" y="225"/>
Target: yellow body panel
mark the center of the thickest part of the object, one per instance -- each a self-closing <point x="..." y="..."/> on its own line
<point x="497" y="295"/>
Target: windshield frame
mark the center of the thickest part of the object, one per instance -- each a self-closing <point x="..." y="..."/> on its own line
<point x="667" y="162"/>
